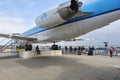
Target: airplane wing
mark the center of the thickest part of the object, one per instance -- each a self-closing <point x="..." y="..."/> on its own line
<point x="18" y="37"/>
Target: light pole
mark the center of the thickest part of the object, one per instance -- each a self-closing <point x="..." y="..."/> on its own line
<point x="106" y="44"/>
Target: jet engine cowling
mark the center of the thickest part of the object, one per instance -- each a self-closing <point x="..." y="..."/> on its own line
<point x="58" y="15"/>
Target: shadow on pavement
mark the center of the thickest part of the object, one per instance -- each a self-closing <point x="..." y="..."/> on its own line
<point x="72" y="69"/>
<point x="9" y="57"/>
<point x="42" y="62"/>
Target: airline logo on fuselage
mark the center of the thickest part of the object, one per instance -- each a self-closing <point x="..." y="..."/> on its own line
<point x="44" y="15"/>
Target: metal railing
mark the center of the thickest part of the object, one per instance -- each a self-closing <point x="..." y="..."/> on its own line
<point x="8" y="43"/>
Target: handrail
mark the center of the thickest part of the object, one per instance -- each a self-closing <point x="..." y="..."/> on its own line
<point x="6" y="45"/>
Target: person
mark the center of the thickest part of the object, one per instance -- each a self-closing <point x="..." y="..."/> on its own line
<point x="26" y="47"/>
<point x="93" y="50"/>
<point x="71" y="49"/>
<point x="90" y="51"/>
<point x="30" y="47"/>
<point x="75" y="49"/>
<point x="82" y="49"/>
<point x="66" y="49"/>
<point x="111" y="51"/>
<point x="37" y="49"/>
<point x="17" y="49"/>
<point x="59" y="47"/>
<point x="79" y="50"/>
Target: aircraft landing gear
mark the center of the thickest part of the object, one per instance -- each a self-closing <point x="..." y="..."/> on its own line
<point x="28" y="47"/>
<point x="55" y="47"/>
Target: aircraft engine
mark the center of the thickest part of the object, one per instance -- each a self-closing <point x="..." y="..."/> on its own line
<point x="58" y="15"/>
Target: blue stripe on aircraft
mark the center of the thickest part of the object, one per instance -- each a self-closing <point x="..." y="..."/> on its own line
<point x="33" y="31"/>
<point x="98" y="7"/>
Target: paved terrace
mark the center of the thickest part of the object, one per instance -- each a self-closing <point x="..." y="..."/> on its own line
<point x="67" y="67"/>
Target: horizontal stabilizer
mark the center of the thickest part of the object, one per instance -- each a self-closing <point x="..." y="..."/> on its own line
<point x="17" y="37"/>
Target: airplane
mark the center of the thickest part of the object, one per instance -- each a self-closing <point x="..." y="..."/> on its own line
<point x="70" y="20"/>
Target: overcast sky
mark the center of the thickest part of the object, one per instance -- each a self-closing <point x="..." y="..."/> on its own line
<point x="19" y="15"/>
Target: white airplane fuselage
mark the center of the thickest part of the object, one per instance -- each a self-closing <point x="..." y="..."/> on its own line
<point x="75" y="29"/>
<point x="81" y="25"/>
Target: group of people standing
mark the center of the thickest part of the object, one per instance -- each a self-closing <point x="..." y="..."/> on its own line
<point x="71" y="50"/>
<point x="82" y="50"/>
<point x="75" y="50"/>
<point x="91" y="50"/>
